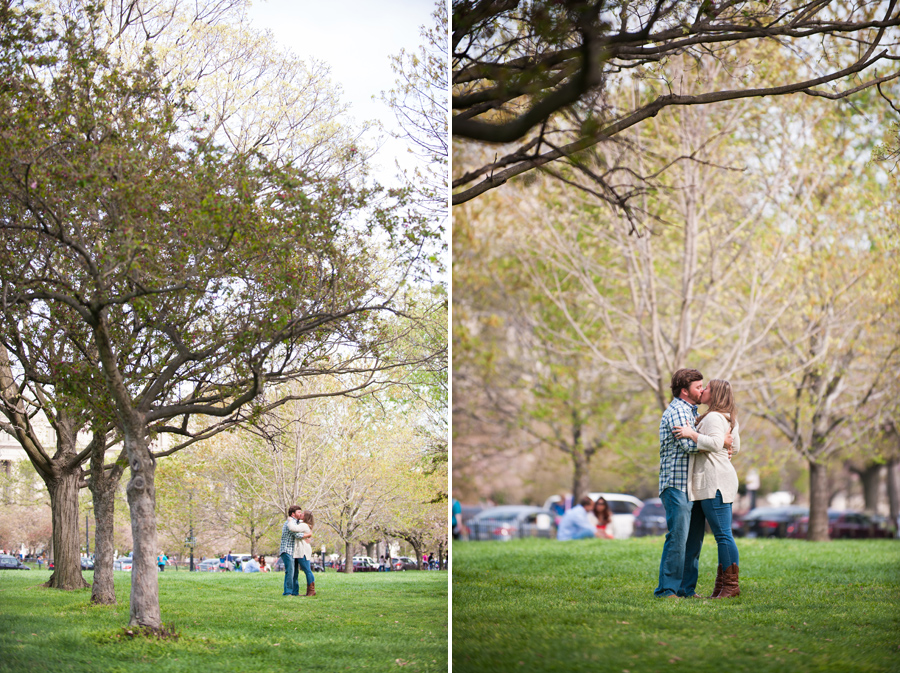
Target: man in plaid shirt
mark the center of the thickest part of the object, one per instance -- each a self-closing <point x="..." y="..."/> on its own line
<point x="685" y="520"/>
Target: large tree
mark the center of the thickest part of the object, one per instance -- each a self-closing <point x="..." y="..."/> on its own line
<point x="542" y="80"/>
<point x="196" y="276"/>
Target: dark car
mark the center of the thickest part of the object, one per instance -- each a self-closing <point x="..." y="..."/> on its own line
<point x="87" y="564"/>
<point x="512" y="521"/>
<point x="843" y="525"/>
<point x="768" y="521"/>
<point x="650" y="519"/>
<point x="9" y="562"/>
<point x="404" y="563"/>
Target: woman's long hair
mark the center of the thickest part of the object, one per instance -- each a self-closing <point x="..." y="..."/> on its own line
<point x="308" y="518"/>
<point x="721" y="399"/>
<point x="604" y="517"/>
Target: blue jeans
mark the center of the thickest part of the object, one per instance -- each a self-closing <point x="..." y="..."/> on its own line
<point x="304" y="566"/>
<point x="718" y="514"/>
<point x="681" y="551"/>
<point x="291" y="571"/>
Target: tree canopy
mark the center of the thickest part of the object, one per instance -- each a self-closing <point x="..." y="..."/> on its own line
<point x="543" y="80"/>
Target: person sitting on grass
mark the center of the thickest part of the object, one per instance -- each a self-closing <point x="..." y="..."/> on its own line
<point x="604" y="519"/>
<point x="576" y="524"/>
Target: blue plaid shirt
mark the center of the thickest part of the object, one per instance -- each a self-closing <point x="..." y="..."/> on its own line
<point x="288" y="537"/>
<point x="673" y="452"/>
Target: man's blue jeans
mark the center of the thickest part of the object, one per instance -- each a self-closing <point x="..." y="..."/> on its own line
<point x="291" y="572"/>
<point x="681" y="551"/>
<point x="718" y="514"/>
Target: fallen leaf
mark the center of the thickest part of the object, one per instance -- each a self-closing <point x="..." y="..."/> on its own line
<point x="662" y="644"/>
<point x="771" y="646"/>
<point x="621" y="622"/>
<point x="400" y="662"/>
<point x="275" y="644"/>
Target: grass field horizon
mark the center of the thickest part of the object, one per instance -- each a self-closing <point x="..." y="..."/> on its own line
<point x="231" y="622"/>
<point x="543" y="605"/>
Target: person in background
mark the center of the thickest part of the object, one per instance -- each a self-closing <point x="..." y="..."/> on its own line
<point x="604" y="519"/>
<point x="162" y="560"/>
<point x="263" y="568"/>
<point x="576" y="524"/>
<point x="251" y="566"/>
<point x="456" y="522"/>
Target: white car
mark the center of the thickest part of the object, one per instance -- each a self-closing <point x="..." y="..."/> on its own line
<point x="622" y="507"/>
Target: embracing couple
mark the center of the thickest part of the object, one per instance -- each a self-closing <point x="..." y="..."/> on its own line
<point x="697" y="483"/>
<point x="296" y="552"/>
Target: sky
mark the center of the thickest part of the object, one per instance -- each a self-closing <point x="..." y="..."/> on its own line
<point x="356" y="38"/>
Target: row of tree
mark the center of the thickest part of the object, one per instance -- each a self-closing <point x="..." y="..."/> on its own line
<point x="188" y="244"/>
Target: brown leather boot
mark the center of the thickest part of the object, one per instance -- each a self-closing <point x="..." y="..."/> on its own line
<point x="718" y="587"/>
<point x="730" y="588"/>
<point x="311" y="589"/>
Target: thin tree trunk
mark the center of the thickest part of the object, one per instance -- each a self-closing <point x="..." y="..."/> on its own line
<point x="141" y="493"/>
<point x="103" y="485"/>
<point x="818" y="502"/>
<point x="893" y="489"/>
<point x="581" y="483"/>
<point x="66" y="550"/>
<point x="348" y="562"/>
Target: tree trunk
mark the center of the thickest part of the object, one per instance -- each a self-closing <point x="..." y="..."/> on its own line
<point x="581" y="483"/>
<point x="818" y="502"/>
<point x="870" y="478"/>
<point x="348" y="559"/>
<point x="103" y="484"/>
<point x="893" y="489"/>
<point x="66" y="550"/>
<point x="417" y="549"/>
<point x="141" y="493"/>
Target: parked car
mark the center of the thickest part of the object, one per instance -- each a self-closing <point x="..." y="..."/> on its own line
<point x="621" y="505"/>
<point x="768" y="521"/>
<point x="10" y="562"/>
<point x="465" y="515"/>
<point x="210" y="565"/>
<point x="123" y="563"/>
<point x="404" y="563"/>
<point x="87" y="564"/>
<point x="511" y="521"/>
<point x="650" y="518"/>
<point x="843" y="525"/>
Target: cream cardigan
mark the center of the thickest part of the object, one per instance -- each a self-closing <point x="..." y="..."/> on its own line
<point x="302" y="548"/>
<point x="711" y="470"/>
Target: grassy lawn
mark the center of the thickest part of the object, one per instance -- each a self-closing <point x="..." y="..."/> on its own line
<point x="542" y="605"/>
<point x="231" y="622"/>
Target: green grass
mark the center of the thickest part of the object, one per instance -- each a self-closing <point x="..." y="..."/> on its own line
<point x="231" y="622"/>
<point x="542" y="605"/>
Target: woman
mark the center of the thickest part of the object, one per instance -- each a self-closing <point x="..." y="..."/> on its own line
<point x="303" y="551"/>
<point x="604" y="518"/>
<point x="712" y="480"/>
<point x="263" y="568"/>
